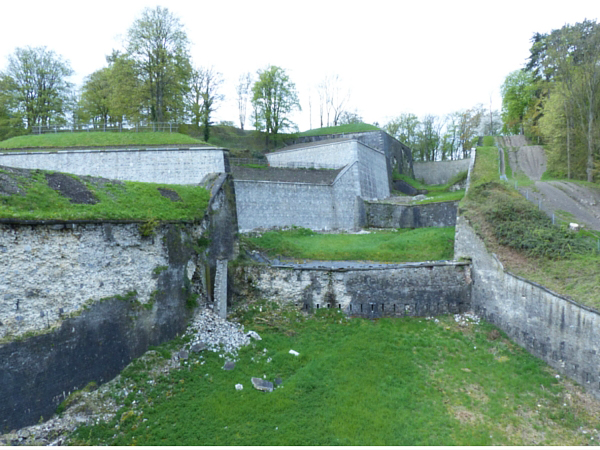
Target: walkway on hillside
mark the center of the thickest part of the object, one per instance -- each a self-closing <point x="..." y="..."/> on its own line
<point x="554" y="197"/>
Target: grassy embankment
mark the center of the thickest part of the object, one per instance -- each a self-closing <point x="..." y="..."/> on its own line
<point x="402" y="245"/>
<point x="435" y="193"/>
<point x="97" y="139"/>
<point x="115" y="200"/>
<point x="36" y="200"/>
<point x="404" y="381"/>
<point x="525" y="239"/>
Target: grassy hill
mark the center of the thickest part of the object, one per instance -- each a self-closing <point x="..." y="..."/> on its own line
<point x="98" y="139"/>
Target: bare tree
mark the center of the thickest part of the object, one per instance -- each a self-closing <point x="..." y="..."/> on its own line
<point x="243" y="93"/>
<point x="332" y="100"/>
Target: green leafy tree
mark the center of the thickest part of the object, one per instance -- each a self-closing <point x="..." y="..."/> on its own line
<point x="517" y="96"/>
<point x="572" y="55"/>
<point x="35" y="86"/>
<point x="404" y="128"/>
<point x="159" y="45"/>
<point x="274" y="98"/>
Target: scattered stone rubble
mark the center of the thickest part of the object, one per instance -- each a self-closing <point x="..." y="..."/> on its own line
<point x="208" y="332"/>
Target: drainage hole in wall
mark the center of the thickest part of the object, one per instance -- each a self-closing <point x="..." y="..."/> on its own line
<point x="317" y="306"/>
<point x="372" y="307"/>
<point x="340" y="307"/>
<point x="328" y="305"/>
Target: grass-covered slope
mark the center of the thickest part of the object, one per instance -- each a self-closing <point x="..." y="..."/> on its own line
<point x="405" y="381"/>
<point x="98" y="139"/>
<point x="42" y="195"/>
<point x="349" y="128"/>
<point x="525" y="239"/>
<point x="402" y="245"/>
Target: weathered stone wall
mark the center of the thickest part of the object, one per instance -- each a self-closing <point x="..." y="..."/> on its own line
<point x="269" y="204"/>
<point x="387" y="215"/>
<point x="70" y="311"/>
<point x="419" y="289"/>
<point x="168" y="165"/>
<point x="439" y="172"/>
<point x="399" y="156"/>
<point x="79" y="300"/>
<point x="554" y="328"/>
<point x="372" y="170"/>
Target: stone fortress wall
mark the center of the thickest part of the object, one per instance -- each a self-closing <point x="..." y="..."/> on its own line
<point x="153" y="165"/>
<point x="439" y="172"/>
<point x="563" y="333"/>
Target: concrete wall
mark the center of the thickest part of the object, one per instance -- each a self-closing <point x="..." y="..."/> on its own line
<point x="419" y="289"/>
<point x="439" y="172"/>
<point x="387" y="215"/>
<point x="174" y="166"/>
<point x="271" y="204"/>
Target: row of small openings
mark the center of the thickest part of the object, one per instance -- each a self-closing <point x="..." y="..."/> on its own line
<point x="373" y="307"/>
<point x="319" y="306"/>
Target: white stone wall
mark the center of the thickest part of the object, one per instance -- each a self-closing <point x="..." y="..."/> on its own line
<point x="49" y="271"/>
<point x="172" y="166"/>
<point x="439" y="172"/>
<point x="374" y="182"/>
<point x="327" y="155"/>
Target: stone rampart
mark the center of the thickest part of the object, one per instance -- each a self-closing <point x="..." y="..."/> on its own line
<point x="439" y="172"/>
<point x="80" y="299"/>
<point x="389" y="215"/>
<point x="554" y="328"/>
<point x="156" y="165"/>
<point x="419" y="289"/>
<point x="273" y="204"/>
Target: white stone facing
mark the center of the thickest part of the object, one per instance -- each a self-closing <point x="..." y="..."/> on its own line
<point x="49" y="271"/>
<point x="170" y="166"/>
<point x="439" y="172"/>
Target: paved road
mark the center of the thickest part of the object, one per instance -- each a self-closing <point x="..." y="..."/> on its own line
<point x="582" y="202"/>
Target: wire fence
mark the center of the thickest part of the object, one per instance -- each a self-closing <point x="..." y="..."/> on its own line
<point x="170" y="127"/>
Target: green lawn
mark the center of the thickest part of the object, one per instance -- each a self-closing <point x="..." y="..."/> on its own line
<point x="402" y="245"/>
<point x="349" y="128"/>
<point x="355" y="382"/>
<point x="98" y="139"/>
<point x="115" y="200"/>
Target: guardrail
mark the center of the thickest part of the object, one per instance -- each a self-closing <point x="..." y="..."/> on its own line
<point x="171" y="127"/>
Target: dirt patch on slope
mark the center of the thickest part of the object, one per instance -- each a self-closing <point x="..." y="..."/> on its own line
<point x="73" y="189"/>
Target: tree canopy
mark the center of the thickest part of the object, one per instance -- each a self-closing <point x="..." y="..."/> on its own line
<point x="35" y="87"/>
<point x="274" y="97"/>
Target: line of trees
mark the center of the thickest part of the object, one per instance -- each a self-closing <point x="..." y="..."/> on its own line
<point x="152" y="79"/>
<point x="555" y="98"/>
<point x="434" y="138"/>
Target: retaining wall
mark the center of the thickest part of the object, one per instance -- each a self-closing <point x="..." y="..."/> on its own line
<point x="80" y="299"/>
<point x="420" y="289"/>
<point x="398" y="155"/>
<point x="168" y="165"/>
<point x="272" y="204"/>
<point x="388" y="215"/>
<point x="554" y="328"/>
<point x="439" y="172"/>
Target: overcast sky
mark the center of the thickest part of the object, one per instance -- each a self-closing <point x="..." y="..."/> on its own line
<point x="421" y="57"/>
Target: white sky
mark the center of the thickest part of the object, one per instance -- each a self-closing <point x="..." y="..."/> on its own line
<point x="421" y="57"/>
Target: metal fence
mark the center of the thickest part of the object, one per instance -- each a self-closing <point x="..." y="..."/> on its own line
<point x="171" y="127"/>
